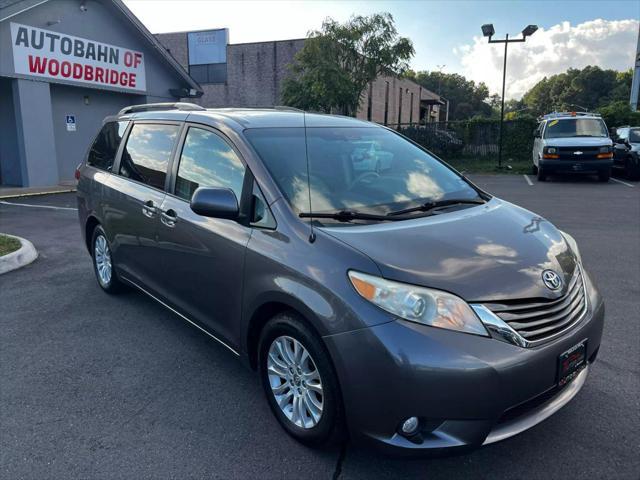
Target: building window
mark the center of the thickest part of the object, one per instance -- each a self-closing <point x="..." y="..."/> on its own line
<point x="400" y="107"/>
<point x="386" y="103"/>
<point x="411" y="110"/>
<point x="370" y="101"/>
<point x="209" y="73"/>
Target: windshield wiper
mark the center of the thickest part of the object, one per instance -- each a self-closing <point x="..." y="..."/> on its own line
<point x="348" y="215"/>
<point x="428" y="206"/>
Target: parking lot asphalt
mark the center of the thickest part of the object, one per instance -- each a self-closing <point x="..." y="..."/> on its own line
<point x="99" y="386"/>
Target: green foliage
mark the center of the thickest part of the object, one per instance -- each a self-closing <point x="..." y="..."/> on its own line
<point x="590" y="88"/>
<point x="466" y="98"/>
<point x="336" y="63"/>
<point x="619" y="113"/>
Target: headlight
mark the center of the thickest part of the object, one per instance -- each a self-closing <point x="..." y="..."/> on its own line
<point x="606" y="149"/>
<point x="551" y="150"/>
<point x="418" y="304"/>
<point x="572" y="244"/>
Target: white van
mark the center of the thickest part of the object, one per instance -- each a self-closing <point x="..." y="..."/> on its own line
<point x="572" y="142"/>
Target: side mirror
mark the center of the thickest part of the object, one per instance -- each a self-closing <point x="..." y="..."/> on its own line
<point x="215" y="203"/>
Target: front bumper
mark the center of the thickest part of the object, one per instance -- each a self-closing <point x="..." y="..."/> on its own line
<point x="466" y="390"/>
<point x="575" y="165"/>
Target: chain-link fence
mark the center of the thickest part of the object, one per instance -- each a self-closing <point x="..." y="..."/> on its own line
<point x="473" y="144"/>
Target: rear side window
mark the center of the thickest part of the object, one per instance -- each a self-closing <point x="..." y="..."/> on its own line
<point x="208" y="161"/>
<point x="104" y="148"/>
<point x="146" y="155"/>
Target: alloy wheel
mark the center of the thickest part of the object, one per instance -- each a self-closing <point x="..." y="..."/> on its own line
<point x="295" y="382"/>
<point x="102" y="256"/>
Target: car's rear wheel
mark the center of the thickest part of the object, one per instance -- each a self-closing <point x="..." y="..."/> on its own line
<point x="604" y="175"/>
<point x="541" y="174"/>
<point x="102" y="262"/>
<point x="299" y="380"/>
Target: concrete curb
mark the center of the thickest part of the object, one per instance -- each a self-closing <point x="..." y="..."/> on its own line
<point x="26" y="254"/>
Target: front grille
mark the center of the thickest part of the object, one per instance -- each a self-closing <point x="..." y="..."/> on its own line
<point x="568" y="153"/>
<point x="537" y="321"/>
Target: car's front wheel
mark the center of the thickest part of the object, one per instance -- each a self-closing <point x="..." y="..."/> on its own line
<point x="299" y="381"/>
<point x="102" y="262"/>
<point x="604" y="175"/>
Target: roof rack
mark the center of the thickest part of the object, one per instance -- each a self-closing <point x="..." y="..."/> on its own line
<point x="285" y="107"/>
<point x="568" y="114"/>
<point x="183" y="106"/>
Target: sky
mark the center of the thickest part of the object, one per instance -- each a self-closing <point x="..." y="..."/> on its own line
<point x="571" y="33"/>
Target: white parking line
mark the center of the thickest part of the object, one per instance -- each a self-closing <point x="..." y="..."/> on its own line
<point x="526" y="177"/>
<point x="620" y="181"/>
<point x="3" y="202"/>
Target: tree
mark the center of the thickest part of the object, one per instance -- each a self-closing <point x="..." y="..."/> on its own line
<point x="619" y="113"/>
<point x="337" y="63"/>
<point x="590" y="88"/>
<point x="466" y="98"/>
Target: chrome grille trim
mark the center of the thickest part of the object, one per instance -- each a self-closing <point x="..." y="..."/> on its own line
<point x="537" y="322"/>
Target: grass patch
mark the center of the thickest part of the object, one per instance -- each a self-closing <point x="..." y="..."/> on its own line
<point x="8" y="245"/>
<point x="490" y="166"/>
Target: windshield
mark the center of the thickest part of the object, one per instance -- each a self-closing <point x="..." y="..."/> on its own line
<point x="367" y="169"/>
<point x="576" y="127"/>
<point x="634" y="135"/>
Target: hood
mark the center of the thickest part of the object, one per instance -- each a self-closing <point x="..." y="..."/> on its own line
<point x="492" y="252"/>
<point x="578" y="142"/>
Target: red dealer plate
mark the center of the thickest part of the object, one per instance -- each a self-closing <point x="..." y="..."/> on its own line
<point x="571" y="362"/>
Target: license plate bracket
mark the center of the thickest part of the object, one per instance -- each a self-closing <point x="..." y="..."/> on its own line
<point x="572" y="362"/>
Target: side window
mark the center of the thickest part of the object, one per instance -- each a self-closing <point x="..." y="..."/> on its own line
<point x="623" y="133"/>
<point x="208" y="161"/>
<point x="104" y="148"/>
<point x="146" y="156"/>
<point x="261" y="214"/>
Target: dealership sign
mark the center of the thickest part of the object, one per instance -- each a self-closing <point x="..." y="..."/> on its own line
<point x="56" y="56"/>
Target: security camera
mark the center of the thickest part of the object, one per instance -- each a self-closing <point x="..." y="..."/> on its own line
<point x="83" y="6"/>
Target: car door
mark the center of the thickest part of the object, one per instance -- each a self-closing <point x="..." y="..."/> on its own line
<point x="203" y="258"/>
<point x="138" y="191"/>
<point x="620" y="147"/>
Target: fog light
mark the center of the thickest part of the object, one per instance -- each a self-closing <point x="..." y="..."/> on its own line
<point x="410" y="426"/>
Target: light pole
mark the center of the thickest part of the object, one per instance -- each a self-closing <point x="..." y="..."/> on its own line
<point x="488" y="31"/>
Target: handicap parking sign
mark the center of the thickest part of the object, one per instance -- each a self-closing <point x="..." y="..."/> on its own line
<point x="71" y="123"/>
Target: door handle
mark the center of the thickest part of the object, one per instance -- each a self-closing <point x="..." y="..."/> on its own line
<point x="149" y="209"/>
<point x="169" y="218"/>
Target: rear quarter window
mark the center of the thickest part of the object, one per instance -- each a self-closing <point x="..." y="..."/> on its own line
<point x="104" y="148"/>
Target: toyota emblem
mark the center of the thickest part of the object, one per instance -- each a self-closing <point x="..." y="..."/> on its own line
<point x="551" y="279"/>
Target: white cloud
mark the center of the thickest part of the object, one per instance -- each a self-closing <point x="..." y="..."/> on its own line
<point x="605" y="43"/>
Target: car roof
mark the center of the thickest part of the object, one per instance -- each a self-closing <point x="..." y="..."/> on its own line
<point x="244" y="118"/>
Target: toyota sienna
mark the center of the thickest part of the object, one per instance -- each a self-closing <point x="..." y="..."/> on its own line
<point x="375" y="290"/>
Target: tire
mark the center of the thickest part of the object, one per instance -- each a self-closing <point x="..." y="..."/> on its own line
<point x="109" y="283"/>
<point x="541" y="175"/>
<point x="629" y="171"/>
<point x="604" y="175"/>
<point x="534" y="169"/>
<point x="286" y="329"/>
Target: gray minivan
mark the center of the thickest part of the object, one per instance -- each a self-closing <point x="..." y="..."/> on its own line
<point x="375" y="290"/>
